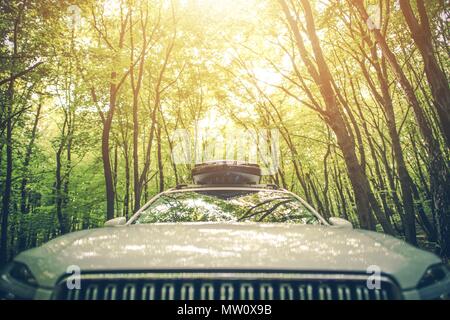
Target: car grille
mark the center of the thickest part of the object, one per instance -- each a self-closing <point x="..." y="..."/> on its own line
<point x="225" y="286"/>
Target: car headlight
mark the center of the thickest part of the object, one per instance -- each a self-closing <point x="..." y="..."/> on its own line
<point x="20" y="272"/>
<point x="433" y="275"/>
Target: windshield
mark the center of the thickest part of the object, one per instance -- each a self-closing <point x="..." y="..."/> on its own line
<point x="227" y="205"/>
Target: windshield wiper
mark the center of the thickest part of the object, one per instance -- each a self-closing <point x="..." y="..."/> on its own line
<point x="247" y="214"/>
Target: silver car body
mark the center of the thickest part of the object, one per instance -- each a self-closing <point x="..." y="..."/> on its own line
<point x="232" y="246"/>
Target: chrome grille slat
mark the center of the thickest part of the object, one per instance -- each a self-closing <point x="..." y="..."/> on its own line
<point x="148" y="291"/>
<point x="266" y="291"/>
<point x="377" y="295"/>
<point x="246" y="291"/>
<point x="110" y="292"/>
<point x="168" y="291"/>
<point x="129" y="292"/>
<point x="187" y="291"/>
<point x="344" y="292"/>
<point x="325" y="292"/>
<point x="286" y="292"/>
<point x="207" y="291"/>
<point x="226" y="291"/>
<point x="309" y="292"/>
<point x="76" y="295"/>
<point x="91" y="292"/>
<point x="242" y="287"/>
<point x="359" y="293"/>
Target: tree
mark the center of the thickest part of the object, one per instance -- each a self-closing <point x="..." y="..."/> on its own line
<point x="8" y="114"/>
<point x="319" y="71"/>
<point x="423" y="37"/>
<point x="116" y="80"/>
<point x="439" y="173"/>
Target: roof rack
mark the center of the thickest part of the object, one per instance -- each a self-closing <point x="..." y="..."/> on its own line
<point x="200" y="186"/>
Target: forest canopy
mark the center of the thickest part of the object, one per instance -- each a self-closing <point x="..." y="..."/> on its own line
<point x="354" y="94"/>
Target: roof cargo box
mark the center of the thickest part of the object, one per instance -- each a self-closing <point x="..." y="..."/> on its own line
<point x="226" y="172"/>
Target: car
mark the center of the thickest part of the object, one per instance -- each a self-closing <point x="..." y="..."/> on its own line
<point x="227" y="237"/>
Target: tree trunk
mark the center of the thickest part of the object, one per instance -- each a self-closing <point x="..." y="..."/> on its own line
<point x="9" y="150"/>
<point x="8" y="178"/>
<point x="26" y="163"/>
<point x="160" y="164"/>
<point x="68" y="167"/>
<point x="126" y="201"/>
<point x="59" y="196"/>
<point x="137" y="186"/>
<point x="58" y="192"/>
<point x="24" y="208"/>
<point x="107" y="117"/>
<point x="109" y="183"/>
<point x="136" y="87"/>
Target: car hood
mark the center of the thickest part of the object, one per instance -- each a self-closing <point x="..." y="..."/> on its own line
<point x="238" y="246"/>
